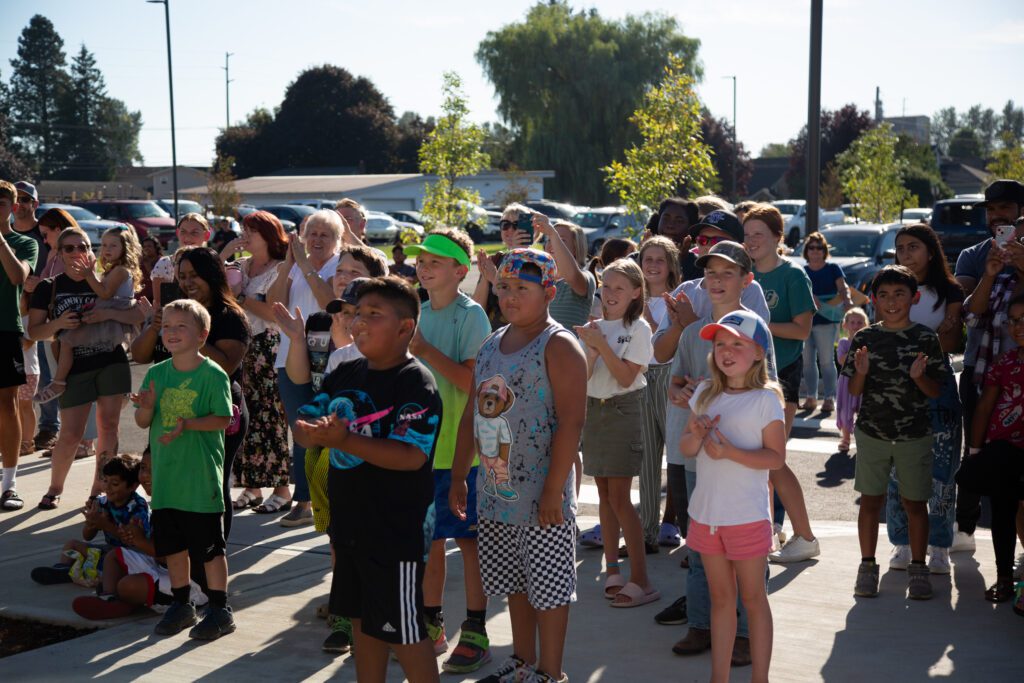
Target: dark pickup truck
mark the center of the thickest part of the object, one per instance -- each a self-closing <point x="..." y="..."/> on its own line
<point x="959" y="224"/>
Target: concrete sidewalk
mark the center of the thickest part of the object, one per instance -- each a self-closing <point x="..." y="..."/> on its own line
<point x="279" y="577"/>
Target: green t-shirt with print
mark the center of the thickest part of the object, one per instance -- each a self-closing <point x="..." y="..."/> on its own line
<point x="25" y="249"/>
<point x="188" y="472"/>
<point x="787" y="290"/>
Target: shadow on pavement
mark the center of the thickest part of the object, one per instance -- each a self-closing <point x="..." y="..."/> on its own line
<point x="838" y="468"/>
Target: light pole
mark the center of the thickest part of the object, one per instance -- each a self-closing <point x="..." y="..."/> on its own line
<point x="227" y="91"/>
<point x="735" y="144"/>
<point x="170" y="85"/>
<point x="814" y="121"/>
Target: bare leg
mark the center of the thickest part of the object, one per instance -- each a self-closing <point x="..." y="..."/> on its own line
<point x="134" y="589"/>
<point x="216" y="573"/>
<point x="750" y="575"/>
<point x="867" y="523"/>
<point x="524" y="627"/>
<point x="722" y="586"/>
<point x="790" y="415"/>
<point x="27" y="415"/>
<point x="788" y="487"/>
<point x="475" y="598"/>
<point x="632" y="531"/>
<point x="552" y="625"/>
<point x="917" y="528"/>
<point x="418" y="661"/>
<point x="108" y="418"/>
<point x="609" y="527"/>
<point x="113" y="572"/>
<point x="434" y="575"/>
<point x="178" y="569"/>
<point x="72" y="427"/>
<point x="10" y="421"/>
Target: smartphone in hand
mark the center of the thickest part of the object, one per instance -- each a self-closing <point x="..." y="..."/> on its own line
<point x="525" y="223"/>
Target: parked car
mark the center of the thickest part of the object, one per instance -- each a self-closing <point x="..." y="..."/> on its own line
<point x="93" y="225"/>
<point x="315" y="203"/>
<point x="408" y="216"/>
<point x="184" y="206"/>
<point x="142" y="214"/>
<point x="555" y="210"/>
<point x="916" y="215"/>
<point x="293" y="213"/>
<point x="605" y="223"/>
<point x="959" y="223"/>
<point x="380" y="227"/>
<point x="794" y="212"/>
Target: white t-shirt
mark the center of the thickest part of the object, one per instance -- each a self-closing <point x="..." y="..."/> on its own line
<point x="339" y="356"/>
<point x="752" y="297"/>
<point x="31" y="354"/>
<point x="633" y="344"/>
<point x="163" y="269"/>
<point x="300" y="294"/>
<point x="727" y="492"/>
<point x="923" y="311"/>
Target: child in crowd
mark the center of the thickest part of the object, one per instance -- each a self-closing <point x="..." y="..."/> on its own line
<point x="120" y="277"/>
<point x="995" y="464"/>
<point x="400" y="267"/>
<point x="26" y="406"/>
<point x="737" y="432"/>
<point x="895" y="365"/>
<point x="847" y="404"/>
<point x="380" y="425"/>
<point x="452" y="326"/>
<point x="525" y="416"/>
<point x="185" y="402"/>
<point x="193" y="230"/>
<point x="618" y="348"/>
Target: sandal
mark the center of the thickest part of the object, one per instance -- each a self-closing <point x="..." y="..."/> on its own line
<point x="613" y="583"/>
<point x="27" y="448"/>
<point x="49" y="501"/>
<point x="51" y="391"/>
<point x="1001" y="590"/>
<point x="844" y="446"/>
<point x="246" y="500"/>
<point x="84" y="451"/>
<point x="10" y="500"/>
<point x="591" y="538"/>
<point x="634" y="596"/>
<point x="273" y="504"/>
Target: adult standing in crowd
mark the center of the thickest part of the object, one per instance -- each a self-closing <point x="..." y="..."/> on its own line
<point x="263" y="461"/>
<point x="303" y="285"/>
<point x="18" y="254"/>
<point x="152" y="252"/>
<point x="675" y="220"/>
<point x="787" y="290"/>
<point x="828" y="284"/>
<point x="487" y="266"/>
<point x="355" y="221"/>
<point x="1003" y="204"/>
<point x="99" y="373"/>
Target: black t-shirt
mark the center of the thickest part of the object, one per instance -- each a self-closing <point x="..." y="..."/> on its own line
<point x="319" y="345"/>
<point x="227" y="323"/>
<point x="76" y="296"/>
<point x="380" y="512"/>
<point x="44" y="249"/>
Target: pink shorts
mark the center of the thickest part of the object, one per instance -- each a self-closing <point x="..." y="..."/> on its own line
<point x="27" y="390"/>
<point x="736" y="541"/>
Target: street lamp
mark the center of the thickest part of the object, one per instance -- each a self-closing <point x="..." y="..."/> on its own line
<point x="227" y="90"/>
<point x="735" y="144"/>
<point x="170" y="85"/>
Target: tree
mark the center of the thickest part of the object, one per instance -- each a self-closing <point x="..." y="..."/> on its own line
<point x="502" y="145"/>
<point x="11" y="165"/>
<point x="671" y="155"/>
<point x="921" y="176"/>
<point x="830" y="190"/>
<point x="872" y="175"/>
<point x="412" y="133"/>
<point x="1011" y="123"/>
<point x="220" y="188"/>
<point x="120" y="133"/>
<point x="246" y="143"/>
<point x="719" y="136"/>
<point x="1008" y="160"/>
<point x="567" y="83"/>
<point x="965" y="144"/>
<point x="944" y="124"/>
<point x="838" y="131"/>
<point x="38" y="82"/>
<point x="452" y="151"/>
<point x="775" y="150"/>
<point x="982" y="122"/>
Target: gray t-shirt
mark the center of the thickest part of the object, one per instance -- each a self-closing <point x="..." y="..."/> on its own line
<point x="692" y="359"/>
<point x="568" y="308"/>
<point x="752" y="298"/>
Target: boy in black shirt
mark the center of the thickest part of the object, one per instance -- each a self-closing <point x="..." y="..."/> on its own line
<point x="380" y="419"/>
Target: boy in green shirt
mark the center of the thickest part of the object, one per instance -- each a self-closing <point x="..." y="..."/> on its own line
<point x="186" y="404"/>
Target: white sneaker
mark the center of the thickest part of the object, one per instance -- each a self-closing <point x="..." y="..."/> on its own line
<point x="796" y="549"/>
<point x="778" y="537"/>
<point x="962" y="542"/>
<point x="938" y="560"/>
<point x="1018" y="567"/>
<point x="899" y="558"/>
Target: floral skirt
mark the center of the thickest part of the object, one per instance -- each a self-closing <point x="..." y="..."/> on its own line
<point x="264" y="460"/>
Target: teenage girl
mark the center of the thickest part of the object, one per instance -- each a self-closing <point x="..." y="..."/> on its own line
<point x="847" y="404"/>
<point x="618" y="348"/>
<point x="737" y="432"/>
<point x="120" y="278"/>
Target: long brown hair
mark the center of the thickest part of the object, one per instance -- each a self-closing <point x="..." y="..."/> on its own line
<point x="627" y="268"/>
<point x="671" y="255"/>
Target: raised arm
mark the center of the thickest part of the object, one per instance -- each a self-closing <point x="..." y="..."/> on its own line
<point x="568" y="268"/>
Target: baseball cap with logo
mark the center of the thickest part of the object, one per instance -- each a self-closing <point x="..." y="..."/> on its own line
<point x="730" y="251"/>
<point x="720" y="220"/>
<point x="28" y="188"/>
<point x="743" y="324"/>
<point x="512" y="266"/>
<point x="349" y="296"/>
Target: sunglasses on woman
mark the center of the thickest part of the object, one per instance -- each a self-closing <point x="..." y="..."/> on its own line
<point x="72" y="248"/>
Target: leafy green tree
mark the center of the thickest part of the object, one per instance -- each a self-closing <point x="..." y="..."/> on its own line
<point x="412" y="132"/>
<point x="838" y="131"/>
<point x="965" y="144"/>
<point x="775" y="150"/>
<point x="921" y="177"/>
<point x="452" y="151"/>
<point x="502" y="146"/>
<point x="718" y="134"/>
<point x="568" y="81"/>
<point x="220" y="188"/>
<point x="121" y="129"/>
<point x="1008" y="160"/>
<point x="672" y="157"/>
<point x="247" y="143"/>
<point x="872" y="175"/>
<point x="944" y="124"/>
<point x="38" y="82"/>
<point x="1011" y="122"/>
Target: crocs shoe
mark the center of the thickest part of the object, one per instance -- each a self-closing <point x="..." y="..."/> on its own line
<point x="591" y="538"/>
<point x="473" y="650"/>
<point x="669" y="536"/>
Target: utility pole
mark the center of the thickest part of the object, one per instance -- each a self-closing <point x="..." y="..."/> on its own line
<point x="735" y="144"/>
<point x="814" y="121"/>
<point x="227" y="90"/>
<point x="170" y="85"/>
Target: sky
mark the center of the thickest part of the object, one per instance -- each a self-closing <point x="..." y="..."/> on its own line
<point x="923" y="55"/>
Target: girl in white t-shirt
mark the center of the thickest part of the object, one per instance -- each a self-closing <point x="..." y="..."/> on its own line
<point x="737" y="432"/>
<point x="618" y="350"/>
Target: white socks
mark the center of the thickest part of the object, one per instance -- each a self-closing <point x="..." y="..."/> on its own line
<point x="10" y="473"/>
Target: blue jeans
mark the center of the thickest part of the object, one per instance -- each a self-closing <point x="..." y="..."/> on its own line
<point x="293" y="396"/>
<point x="698" y="597"/>
<point x="49" y="412"/>
<point x="946" y="415"/>
<point x="820" y="349"/>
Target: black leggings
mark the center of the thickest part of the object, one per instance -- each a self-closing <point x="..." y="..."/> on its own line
<point x="996" y="472"/>
<point x="232" y="444"/>
<point x="968" y="501"/>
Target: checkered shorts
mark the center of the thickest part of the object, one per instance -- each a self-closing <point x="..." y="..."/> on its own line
<point x="538" y="561"/>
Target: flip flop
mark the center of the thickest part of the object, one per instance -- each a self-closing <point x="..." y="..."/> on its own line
<point x="614" y="581"/>
<point x="636" y="596"/>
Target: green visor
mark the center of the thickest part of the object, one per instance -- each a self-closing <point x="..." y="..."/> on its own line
<point x="439" y="245"/>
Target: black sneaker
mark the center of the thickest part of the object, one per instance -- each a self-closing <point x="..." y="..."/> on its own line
<point x="340" y="640"/>
<point x="673" y="614"/>
<point x="49" y="576"/>
<point x="217" y="622"/>
<point x="178" y="616"/>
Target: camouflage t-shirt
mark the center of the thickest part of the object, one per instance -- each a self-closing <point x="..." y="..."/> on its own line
<point x="893" y="407"/>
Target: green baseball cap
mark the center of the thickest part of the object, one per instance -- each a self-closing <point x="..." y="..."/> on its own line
<point x="440" y="245"/>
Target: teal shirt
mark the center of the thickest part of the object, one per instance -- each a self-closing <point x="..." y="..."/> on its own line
<point x="188" y="472"/>
<point x="787" y="289"/>
<point x="457" y="331"/>
<point x="25" y="249"/>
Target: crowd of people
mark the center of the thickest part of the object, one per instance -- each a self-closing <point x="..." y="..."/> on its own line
<point x="420" y="413"/>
